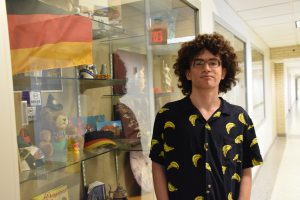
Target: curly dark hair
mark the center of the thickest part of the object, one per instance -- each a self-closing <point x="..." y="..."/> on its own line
<point x="218" y="46"/>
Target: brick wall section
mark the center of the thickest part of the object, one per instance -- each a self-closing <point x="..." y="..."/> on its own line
<point x="279" y="87"/>
<point x="285" y="52"/>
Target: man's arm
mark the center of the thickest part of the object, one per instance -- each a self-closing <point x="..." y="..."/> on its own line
<point x="160" y="181"/>
<point x="246" y="184"/>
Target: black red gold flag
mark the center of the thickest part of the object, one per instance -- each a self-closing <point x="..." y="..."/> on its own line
<point x="46" y="37"/>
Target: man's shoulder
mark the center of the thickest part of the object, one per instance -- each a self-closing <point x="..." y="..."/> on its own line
<point x="175" y="104"/>
<point x="233" y="108"/>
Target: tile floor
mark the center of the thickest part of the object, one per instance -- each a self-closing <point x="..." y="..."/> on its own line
<point x="278" y="178"/>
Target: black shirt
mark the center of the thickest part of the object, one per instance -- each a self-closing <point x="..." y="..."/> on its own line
<point x="204" y="159"/>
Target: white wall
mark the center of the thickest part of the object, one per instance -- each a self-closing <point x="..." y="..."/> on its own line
<point x="266" y="132"/>
<point x="298" y="88"/>
<point x="9" y="181"/>
<point x="292" y="90"/>
<point x="292" y="81"/>
<point x="286" y="92"/>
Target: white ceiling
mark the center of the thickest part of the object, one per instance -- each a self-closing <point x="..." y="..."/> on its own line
<point x="272" y="20"/>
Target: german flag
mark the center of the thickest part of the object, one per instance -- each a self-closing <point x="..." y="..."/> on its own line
<point x="46" y="37"/>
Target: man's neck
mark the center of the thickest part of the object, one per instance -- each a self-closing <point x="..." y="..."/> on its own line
<point x="207" y="102"/>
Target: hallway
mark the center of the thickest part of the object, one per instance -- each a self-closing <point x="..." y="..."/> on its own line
<point x="278" y="177"/>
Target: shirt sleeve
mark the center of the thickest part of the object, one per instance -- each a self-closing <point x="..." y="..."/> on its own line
<point x="157" y="142"/>
<point x="251" y="152"/>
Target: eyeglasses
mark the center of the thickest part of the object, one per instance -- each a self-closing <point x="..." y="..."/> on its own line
<point x="212" y="63"/>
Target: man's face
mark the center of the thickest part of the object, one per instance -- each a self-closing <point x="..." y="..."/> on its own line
<point x="206" y="71"/>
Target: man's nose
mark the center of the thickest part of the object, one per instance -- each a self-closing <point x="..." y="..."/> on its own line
<point x="206" y="66"/>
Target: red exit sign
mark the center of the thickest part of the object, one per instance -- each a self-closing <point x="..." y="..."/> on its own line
<point x="158" y="37"/>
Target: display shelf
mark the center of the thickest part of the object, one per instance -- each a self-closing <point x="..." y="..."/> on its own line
<point x="164" y="94"/>
<point x="96" y="83"/>
<point x="106" y="32"/>
<point x="22" y="83"/>
<point x="66" y="159"/>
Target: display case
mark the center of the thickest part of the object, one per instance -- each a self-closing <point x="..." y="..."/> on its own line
<point x="88" y="78"/>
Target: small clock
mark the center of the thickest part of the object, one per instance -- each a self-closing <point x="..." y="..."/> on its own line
<point x="141" y="167"/>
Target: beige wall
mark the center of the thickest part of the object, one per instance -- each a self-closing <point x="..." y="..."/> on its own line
<point x="283" y="83"/>
<point x="285" y="52"/>
<point x="280" y="100"/>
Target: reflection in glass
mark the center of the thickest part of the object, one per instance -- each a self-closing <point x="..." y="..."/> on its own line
<point x="237" y="95"/>
<point x="180" y="26"/>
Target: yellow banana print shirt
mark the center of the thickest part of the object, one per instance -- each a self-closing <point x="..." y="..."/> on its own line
<point x="204" y="159"/>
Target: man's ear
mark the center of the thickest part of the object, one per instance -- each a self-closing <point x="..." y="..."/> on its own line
<point x="188" y="75"/>
<point x="224" y="71"/>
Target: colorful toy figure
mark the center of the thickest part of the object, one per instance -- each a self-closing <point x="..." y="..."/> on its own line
<point x="87" y="71"/>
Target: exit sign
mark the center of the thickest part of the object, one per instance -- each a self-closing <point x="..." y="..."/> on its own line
<point x="158" y="36"/>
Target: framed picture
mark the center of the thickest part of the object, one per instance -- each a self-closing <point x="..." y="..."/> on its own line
<point x="113" y="126"/>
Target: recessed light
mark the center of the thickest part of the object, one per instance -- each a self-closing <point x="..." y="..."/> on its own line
<point x="298" y="24"/>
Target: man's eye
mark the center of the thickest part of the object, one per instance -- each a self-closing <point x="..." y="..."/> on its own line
<point x="199" y="63"/>
<point x="213" y="63"/>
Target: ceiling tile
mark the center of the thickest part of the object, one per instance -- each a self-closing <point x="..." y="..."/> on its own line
<point x="272" y="20"/>
<point x="281" y="43"/>
<point x="296" y="6"/>
<point x="240" y="5"/>
<point x="269" y="11"/>
<point x="297" y="16"/>
<point x="267" y="21"/>
<point x="282" y="28"/>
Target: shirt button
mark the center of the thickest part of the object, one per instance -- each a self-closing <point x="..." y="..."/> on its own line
<point x="209" y="186"/>
<point x="207" y="191"/>
<point x="206" y="146"/>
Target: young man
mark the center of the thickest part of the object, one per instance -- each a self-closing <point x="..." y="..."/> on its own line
<point x="204" y="147"/>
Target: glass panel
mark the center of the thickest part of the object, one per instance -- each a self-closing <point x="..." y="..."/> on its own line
<point x="175" y="20"/>
<point x="258" y="85"/>
<point x="83" y="79"/>
<point x="79" y="80"/>
<point x="237" y="95"/>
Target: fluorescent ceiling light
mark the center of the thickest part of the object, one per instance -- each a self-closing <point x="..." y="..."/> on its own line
<point x="298" y="24"/>
<point x="180" y="39"/>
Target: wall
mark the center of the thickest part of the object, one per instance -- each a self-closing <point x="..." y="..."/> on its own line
<point x="298" y="88"/>
<point x="287" y="57"/>
<point x="9" y="182"/>
<point x="280" y="100"/>
<point x="285" y="52"/>
<point x="292" y="90"/>
<point x="292" y="75"/>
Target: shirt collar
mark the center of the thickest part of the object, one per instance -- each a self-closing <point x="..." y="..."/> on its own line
<point x="225" y="107"/>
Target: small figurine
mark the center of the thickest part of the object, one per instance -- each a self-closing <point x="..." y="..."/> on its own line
<point x="103" y="73"/>
<point x="96" y="190"/>
<point x="46" y="143"/>
<point x="167" y="79"/>
<point x="55" y="129"/>
<point x="31" y="157"/>
<point x="24" y="134"/>
<point x="119" y="194"/>
<point x="87" y="71"/>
